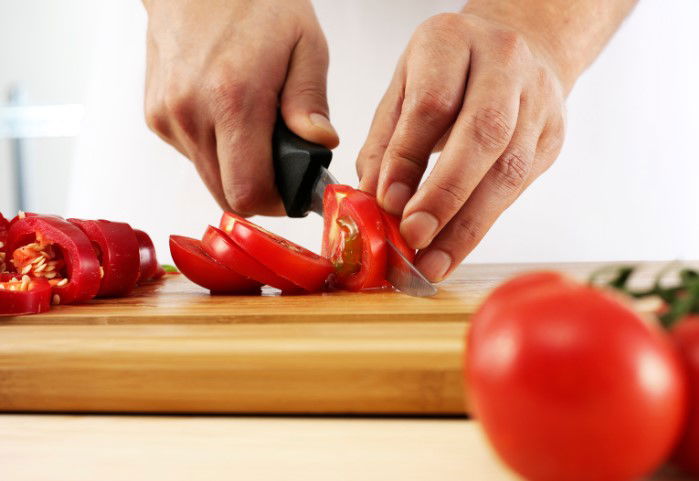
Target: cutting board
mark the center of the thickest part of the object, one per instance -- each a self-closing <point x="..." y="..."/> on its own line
<point x="171" y="347"/>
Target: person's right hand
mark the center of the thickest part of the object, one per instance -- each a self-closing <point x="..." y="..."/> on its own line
<point x="217" y="71"/>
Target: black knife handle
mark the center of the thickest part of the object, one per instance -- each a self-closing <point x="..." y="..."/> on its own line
<point x="297" y="164"/>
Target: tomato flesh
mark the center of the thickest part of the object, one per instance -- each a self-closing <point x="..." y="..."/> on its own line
<point x="570" y="384"/>
<point x="354" y="238"/>
<point x="287" y="259"/>
<point x="202" y="269"/>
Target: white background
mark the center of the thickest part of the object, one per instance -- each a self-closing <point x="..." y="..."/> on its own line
<point x="624" y="187"/>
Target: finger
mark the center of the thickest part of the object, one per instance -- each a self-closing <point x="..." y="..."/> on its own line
<point x="244" y="120"/>
<point x="207" y="165"/>
<point x="514" y="170"/>
<point x="434" y="92"/>
<point x="479" y="136"/>
<point x="304" y="101"/>
<point x="382" y="127"/>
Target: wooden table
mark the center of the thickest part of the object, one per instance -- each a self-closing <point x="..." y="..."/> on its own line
<point x="133" y="448"/>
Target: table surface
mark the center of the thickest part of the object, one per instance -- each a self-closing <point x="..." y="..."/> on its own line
<point x="111" y="448"/>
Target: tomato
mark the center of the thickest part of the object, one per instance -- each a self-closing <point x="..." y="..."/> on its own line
<point x="117" y="249"/>
<point x="391" y="225"/>
<point x="570" y="384"/>
<point x="202" y="269"/>
<point x="685" y="334"/>
<point x="148" y="261"/>
<point x="289" y="260"/>
<point x="221" y="247"/>
<point x="21" y="295"/>
<point x="354" y="238"/>
<point x="53" y="248"/>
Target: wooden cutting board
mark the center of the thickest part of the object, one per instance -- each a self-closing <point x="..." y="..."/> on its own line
<point x="171" y="347"/>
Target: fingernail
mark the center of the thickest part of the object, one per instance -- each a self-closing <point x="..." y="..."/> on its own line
<point x="397" y="195"/>
<point x="321" y="121"/>
<point x="418" y="229"/>
<point x="434" y="264"/>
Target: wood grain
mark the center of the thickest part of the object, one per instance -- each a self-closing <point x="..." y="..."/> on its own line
<point x="173" y="348"/>
<point x="117" y="448"/>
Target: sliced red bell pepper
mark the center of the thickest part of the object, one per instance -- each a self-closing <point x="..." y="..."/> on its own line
<point x="4" y="228"/>
<point x="21" y="295"/>
<point x="354" y="238"/>
<point x="289" y="260"/>
<point x="221" y="247"/>
<point x="55" y="249"/>
<point x="117" y="249"/>
<point x="148" y="259"/>
<point x="202" y="269"/>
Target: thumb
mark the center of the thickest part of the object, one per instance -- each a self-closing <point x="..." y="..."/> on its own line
<point x="304" y="101"/>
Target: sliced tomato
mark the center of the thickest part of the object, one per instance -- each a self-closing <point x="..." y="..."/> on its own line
<point x="202" y="269"/>
<point x="53" y="248"/>
<point x="21" y="295"/>
<point x="289" y="260"/>
<point x="117" y="249"/>
<point x="221" y="247"/>
<point x="354" y="238"/>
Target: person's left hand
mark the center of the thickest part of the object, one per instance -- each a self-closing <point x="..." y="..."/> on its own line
<point x="491" y="96"/>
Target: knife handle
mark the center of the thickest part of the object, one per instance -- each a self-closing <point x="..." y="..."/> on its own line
<point x="297" y="165"/>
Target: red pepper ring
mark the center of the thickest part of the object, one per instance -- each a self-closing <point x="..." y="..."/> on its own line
<point x="69" y="260"/>
<point x="148" y="260"/>
<point x="117" y="249"/>
<point x="23" y="295"/>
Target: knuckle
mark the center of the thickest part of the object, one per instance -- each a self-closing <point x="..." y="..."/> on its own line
<point x="441" y="22"/>
<point x="512" y="169"/>
<point x="407" y="157"/>
<point x="510" y="43"/>
<point x="155" y="120"/>
<point x="467" y="232"/>
<point x="229" y="94"/>
<point x="245" y="199"/>
<point x="453" y="195"/>
<point x="309" y="90"/>
<point x="492" y="129"/>
<point x="432" y="104"/>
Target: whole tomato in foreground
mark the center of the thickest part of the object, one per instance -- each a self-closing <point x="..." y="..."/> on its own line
<point x="570" y="384"/>
<point x="686" y="335"/>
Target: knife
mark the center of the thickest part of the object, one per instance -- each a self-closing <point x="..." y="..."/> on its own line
<point x="301" y="174"/>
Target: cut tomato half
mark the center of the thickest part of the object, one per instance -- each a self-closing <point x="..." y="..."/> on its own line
<point x="289" y="260"/>
<point x="202" y="269"/>
<point x="391" y="224"/>
<point x="225" y="250"/>
<point x="354" y="238"/>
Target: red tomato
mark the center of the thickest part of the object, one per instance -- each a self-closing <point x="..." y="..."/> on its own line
<point x="686" y="336"/>
<point x="289" y="260"/>
<point x="4" y="228"/>
<point x="148" y="260"/>
<point x="221" y="247"/>
<point x="391" y="225"/>
<point x="354" y="238"/>
<point x="202" y="269"/>
<point x="570" y="384"/>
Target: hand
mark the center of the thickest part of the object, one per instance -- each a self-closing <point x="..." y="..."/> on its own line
<point x="216" y="73"/>
<point x="491" y="97"/>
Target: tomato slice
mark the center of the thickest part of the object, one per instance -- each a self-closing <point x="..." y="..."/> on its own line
<point x="354" y="238"/>
<point x="289" y="260"/>
<point x="21" y="295"/>
<point x="225" y="250"/>
<point x="117" y="249"/>
<point x="148" y="260"/>
<point x="202" y="269"/>
<point x="53" y="248"/>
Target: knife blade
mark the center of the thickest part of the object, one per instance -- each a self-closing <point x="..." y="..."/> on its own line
<point x="301" y="174"/>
